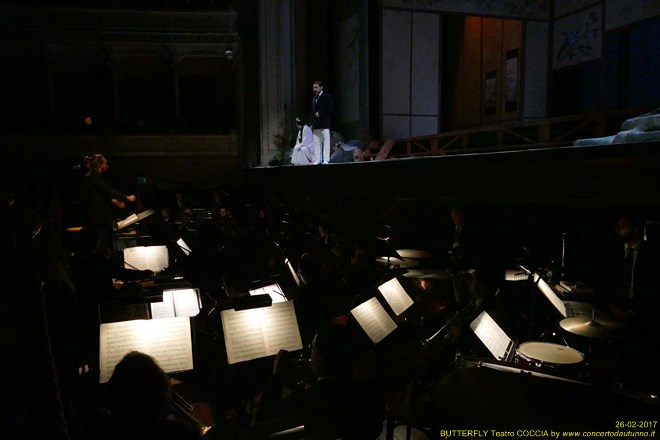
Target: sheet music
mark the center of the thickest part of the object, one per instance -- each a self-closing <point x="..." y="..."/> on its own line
<point x="127" y="221"/>
<point x="146" y="213"/>
<point x="168" y="341"/>
<point x="186" y="302"/>
<point x="281" y="325"/>
<point x="133" y="218"/>
<point x="176" y="302"/>
<point x="154" y="258"/>
<point x="256" y="333"/>
<point x="515" y="275"/>
<point x="374" y="320"/>
<point x="184" y="246"/>
<point x="294" y="275"/>
<point x="396" y="296"/>
<point x="551" y="295"/>
<point x="165" y="308"/>
<point x="273" y="290"/>
<point x="492" y="335"/>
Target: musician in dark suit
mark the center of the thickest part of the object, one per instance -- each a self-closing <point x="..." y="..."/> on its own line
<point x="629" y="278"/>
<point x="322" y="108"/>
<point x="630" y="285"/>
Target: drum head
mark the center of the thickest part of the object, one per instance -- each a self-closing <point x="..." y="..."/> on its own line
<point x="552" y="353"/>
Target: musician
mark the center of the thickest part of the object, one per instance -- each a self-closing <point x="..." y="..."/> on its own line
<point x="138" y="404"/>
<point x="338" y="404"/>
<point x="321" y="298"/>
<point x="462" y="244"/>
<point x="98" y="197"/>
<point x="630" y="286"/>
<point x="459" y="250"/>
<point x="629" y="276"/>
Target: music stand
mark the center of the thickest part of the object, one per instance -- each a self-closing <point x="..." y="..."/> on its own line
<point x="255" y="333"/>
<point x="168" y="341"/>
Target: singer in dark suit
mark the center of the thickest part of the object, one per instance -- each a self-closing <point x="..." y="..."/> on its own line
<point x="322" y="108"/>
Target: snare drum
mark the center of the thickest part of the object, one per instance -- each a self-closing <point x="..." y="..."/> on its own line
<point x="548" y="356"/>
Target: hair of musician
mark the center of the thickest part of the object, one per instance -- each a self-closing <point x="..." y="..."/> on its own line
<point x="93" y="161"/>
<point x="634" y="218"/>
<point x="138" y="388"/>
<point x="309" y="267"/>
<point x="318" y="83"/>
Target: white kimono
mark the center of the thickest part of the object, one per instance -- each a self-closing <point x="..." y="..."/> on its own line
<point x="303" y="152"/>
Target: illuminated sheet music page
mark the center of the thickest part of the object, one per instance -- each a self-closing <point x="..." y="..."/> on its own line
<point x="274" y="291"/>
<point x="515" y="275"/>
<point x="256" y="333"/>
<point x="133" y="218"/>
<point x="153" y="258"/>
<point x="121" y="224"/>
<point x="176" y="302"/>
<point x="184" y="246"/>
<point x="551" y="295"/>
<point x="374" y="320"/>
<point x="492" y="335"/>
<point x="168" y="341"/>
<point x="146" y="213"/>
<point x="396" y="296"/>
<point x="165" y="308"/>
<point x="186" y="302"/>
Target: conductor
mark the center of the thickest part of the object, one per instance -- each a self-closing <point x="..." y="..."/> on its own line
<point x="97" y="198"/>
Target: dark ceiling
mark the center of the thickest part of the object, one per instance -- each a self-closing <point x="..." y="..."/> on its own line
<point x="151" y="5"/>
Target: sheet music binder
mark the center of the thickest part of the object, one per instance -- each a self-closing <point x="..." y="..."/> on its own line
<point x="500" y="345"/>
<point x="396" y="296"/>
<point x="176" y="303"/>
<point x="374" y="320"/>
<point x="568" y="309"/>
<point x="153" y="258"/>
<point x="256" y="333"/>
<point x="134" y="218"/>
<point x="184" y="246"/>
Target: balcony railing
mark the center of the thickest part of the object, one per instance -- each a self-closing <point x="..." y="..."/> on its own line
<point x="542" y="133"/>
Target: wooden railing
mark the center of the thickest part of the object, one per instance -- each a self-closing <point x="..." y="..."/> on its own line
<point x="541" y="133"/>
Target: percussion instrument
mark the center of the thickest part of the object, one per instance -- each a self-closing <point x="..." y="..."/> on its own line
<point x="413" y="253"/>
<point x="400" y="262"/>
<point x="472" y="362"/>
<point x="428" y="274"/>
<point x="591" y="328"/>
<point x="431" y="289"/>
<point x="547" y="355"/>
